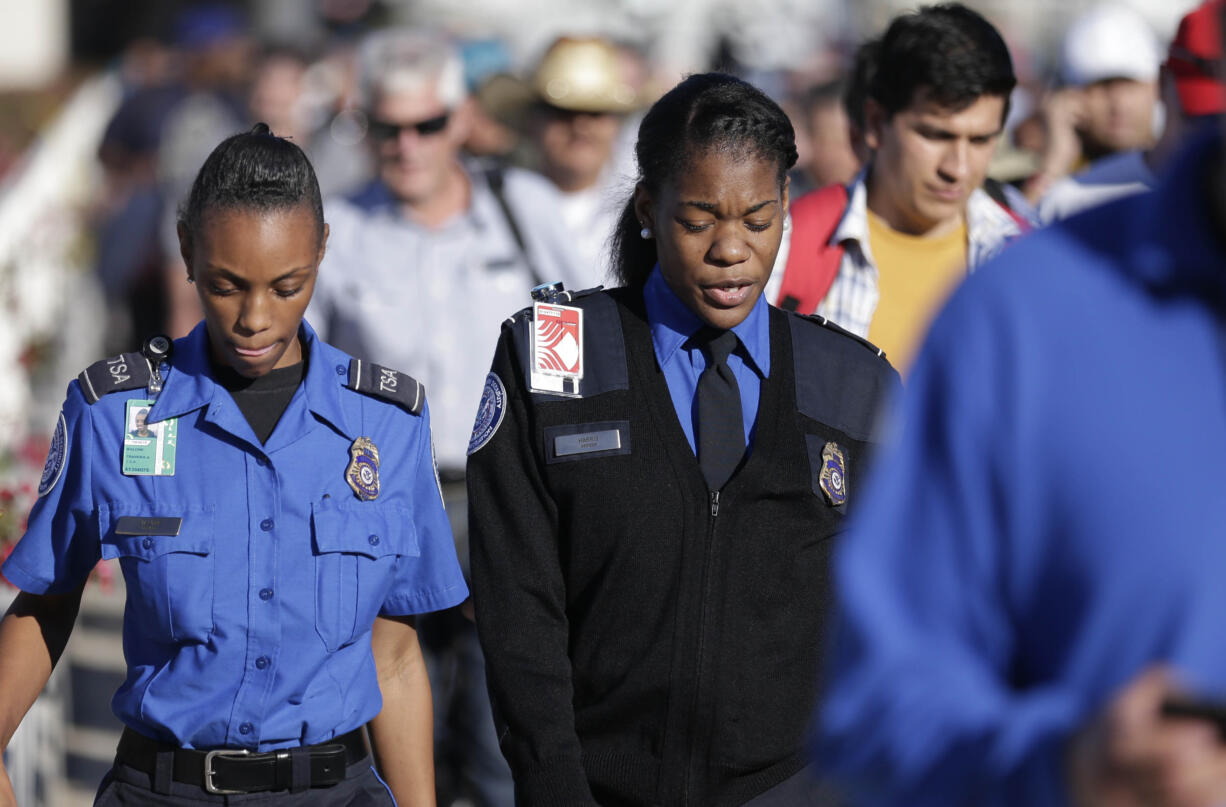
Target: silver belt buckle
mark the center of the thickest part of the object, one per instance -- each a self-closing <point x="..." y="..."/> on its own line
<point x="209" y="772"/>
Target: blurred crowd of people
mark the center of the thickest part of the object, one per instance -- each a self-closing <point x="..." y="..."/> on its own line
<point x="1115" y="110"/>
<point x="457" y="178"/>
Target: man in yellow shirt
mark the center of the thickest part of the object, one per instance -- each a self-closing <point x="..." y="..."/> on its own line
<point x="917" y="218"/>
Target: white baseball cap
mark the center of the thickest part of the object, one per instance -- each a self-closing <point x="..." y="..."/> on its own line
<point x="1109" y="41"/>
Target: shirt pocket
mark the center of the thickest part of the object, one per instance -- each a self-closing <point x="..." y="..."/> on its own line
<point x="358" y="548"/>
<point x="169" y="578"/>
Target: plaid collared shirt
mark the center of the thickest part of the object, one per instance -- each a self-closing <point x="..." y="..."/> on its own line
<point x="853" y="296"/>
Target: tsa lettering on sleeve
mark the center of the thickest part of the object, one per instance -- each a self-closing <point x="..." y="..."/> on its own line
<point x="390" y="385"/>
<point x="490" y="412"/>
<point x="127" y="371"/>
<point x="56" y="455"/>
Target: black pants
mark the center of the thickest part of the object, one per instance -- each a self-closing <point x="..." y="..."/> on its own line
<point x="362" y="787"/>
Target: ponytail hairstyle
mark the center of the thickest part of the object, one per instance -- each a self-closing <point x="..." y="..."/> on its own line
<point x="255" y="170"/>
<point x="705" y="112"/>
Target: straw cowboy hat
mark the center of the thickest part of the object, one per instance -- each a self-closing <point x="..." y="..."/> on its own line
<point x="575" y="74"/>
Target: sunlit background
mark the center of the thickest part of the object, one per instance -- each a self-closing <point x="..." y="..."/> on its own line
<point x="84" y="193"/>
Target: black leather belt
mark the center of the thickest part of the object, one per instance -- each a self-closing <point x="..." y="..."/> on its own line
<point x="233" y="770"/>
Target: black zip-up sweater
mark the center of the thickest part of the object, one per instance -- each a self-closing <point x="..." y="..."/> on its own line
<point x="648" y="641"/>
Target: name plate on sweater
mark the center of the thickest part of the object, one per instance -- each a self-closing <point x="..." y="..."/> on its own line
<point x="586" y="441"/>
<point x="571" y="444"/>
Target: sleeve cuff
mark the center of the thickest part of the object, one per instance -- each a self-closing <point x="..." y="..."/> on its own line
<point x="554" y="782"/>
<point x="425" y="602"/>
<point x="26" y="582"/>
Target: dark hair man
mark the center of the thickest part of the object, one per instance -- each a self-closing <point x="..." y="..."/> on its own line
<point x="916" y="219"/>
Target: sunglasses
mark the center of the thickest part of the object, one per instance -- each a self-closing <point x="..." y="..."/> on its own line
<point x="386" y="130"/>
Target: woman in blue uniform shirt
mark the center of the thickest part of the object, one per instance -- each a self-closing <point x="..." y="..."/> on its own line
<point x="275" y="538"/>
<point x="651" y="526"/>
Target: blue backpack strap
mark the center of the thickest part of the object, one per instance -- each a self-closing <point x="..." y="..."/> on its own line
<point x="123" y="372"/>
<point x="389" y="385"/>
<point x="841" y="379"/>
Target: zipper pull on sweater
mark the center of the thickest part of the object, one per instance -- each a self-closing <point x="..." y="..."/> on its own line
<point x="714" y="503"/>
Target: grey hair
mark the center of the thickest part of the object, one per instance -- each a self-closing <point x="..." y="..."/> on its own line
<point x="401" y="59"/>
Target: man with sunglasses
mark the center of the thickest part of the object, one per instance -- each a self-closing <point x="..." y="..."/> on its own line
<point x="423" y="265"/>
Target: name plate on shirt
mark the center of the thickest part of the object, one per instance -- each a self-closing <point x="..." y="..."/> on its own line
<point x="148" y="525"/>
<point x="570" y="444"/>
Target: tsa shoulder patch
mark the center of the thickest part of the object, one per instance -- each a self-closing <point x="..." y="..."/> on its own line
<point x="123" y="372"/>
<point x="490" y="413"/>
<point x="390" y="385"/>
<point x="56" y="456"/>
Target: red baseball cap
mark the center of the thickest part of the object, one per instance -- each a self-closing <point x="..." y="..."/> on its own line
<point x="1193" y="60"/>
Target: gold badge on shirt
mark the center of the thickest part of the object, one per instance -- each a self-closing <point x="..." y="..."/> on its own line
<point x="363" y="471"/>
<point x="833" y="480"/>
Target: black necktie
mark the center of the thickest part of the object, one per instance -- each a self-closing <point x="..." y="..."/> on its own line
<point x="721" y="424"/>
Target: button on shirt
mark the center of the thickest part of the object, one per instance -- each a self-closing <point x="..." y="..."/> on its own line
<point x="430" y="302"/>
<point x="250" y="627"/>
<point x="672" y="324"/>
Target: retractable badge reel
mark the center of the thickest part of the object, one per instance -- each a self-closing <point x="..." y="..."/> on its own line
<point x="156" y="350"/>
<point x="557" y="342"/>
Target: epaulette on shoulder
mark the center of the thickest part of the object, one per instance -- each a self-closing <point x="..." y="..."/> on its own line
<point x="389" y="385"/>
<point x="562" y="298"/>
<point x="828" y="325"/>
<point x="523" y="313"/>
<point x="123" y="372"/>
<point x="565" y="296"/>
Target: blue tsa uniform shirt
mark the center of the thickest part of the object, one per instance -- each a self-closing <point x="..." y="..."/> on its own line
<point x="1051" y="520"/>
<point x="254" y="572"/>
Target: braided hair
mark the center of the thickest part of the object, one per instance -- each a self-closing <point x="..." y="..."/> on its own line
<point x="705" y="112"/>
<point x="255" y="170"/>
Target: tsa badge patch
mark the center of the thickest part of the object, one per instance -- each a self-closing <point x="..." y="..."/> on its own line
<point x="56" y="454"/>
<point x="490" y="412"/>
<point x="833" y="480"/>
<point x="363" y="471"/>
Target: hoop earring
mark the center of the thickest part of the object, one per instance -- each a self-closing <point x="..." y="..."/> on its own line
<point x="645" y="233"/>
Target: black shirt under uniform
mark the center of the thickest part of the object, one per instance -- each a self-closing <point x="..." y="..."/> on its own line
<point x="648" y="642"/>
<point x="264" y="399"/>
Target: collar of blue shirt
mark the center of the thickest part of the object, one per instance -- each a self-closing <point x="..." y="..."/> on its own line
<point x="672" y="323"/>
<point x="190" y="385"/>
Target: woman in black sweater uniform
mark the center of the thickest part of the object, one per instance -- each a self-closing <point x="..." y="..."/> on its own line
<point x="654" y="477"/>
